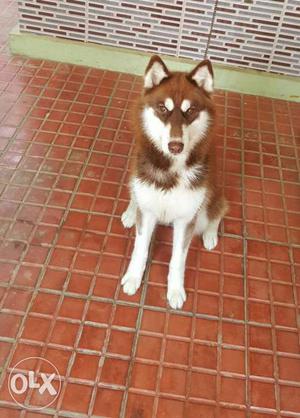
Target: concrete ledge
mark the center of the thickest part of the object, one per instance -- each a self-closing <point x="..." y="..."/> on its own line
<point x="130" y="61"/>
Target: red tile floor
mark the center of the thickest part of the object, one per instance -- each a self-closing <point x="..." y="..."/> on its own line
<point x="233" y="351"/>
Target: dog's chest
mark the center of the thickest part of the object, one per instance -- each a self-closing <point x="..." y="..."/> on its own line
<point x="167" y="206"/>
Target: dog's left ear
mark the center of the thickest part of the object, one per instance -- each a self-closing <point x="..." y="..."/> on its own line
<point x="203" y="76"/>
<point x="156" y="71"/>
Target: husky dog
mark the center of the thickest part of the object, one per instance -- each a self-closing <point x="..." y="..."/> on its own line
<point x="173" y="176"/>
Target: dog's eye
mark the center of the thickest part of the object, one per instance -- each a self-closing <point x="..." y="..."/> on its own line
<point x="190" y="111"/>
<point x="162" y="108"/>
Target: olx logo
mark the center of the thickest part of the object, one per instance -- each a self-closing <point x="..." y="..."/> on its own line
<point x="31" y="383"/>
<point x="46" y="384"/>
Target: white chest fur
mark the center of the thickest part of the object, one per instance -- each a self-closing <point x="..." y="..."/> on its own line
<point x="179" y="202"/>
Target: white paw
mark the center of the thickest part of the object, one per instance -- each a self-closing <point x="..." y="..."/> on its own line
<point x="176" y="297"/>
<point x="130" y="284"/>
<point x="128" y="218"/>
<point x="210" y="240"/>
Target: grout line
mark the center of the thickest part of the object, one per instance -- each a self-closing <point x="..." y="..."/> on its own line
<point x="202" y="342"/>
<point x="160" y="366"/>
<point x="221" y="286"/>
<point x="191" y="339"/>
<point x="245" y="254"/>
<point x="271" y="301"/>
<point x="156" y="309"/>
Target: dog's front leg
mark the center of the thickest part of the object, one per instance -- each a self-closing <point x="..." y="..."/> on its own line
<point x="182" y="235"/>
<point x="128" y="217"/>
<point x="144" y="228"/>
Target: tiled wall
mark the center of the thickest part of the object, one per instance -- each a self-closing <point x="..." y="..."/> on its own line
<point x="261" y="34"/>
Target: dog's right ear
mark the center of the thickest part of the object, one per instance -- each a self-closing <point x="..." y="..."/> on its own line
<point x="203" y="76"/>
<point x="155" y="72"/>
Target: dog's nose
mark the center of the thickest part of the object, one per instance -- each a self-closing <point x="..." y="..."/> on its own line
<point x="175" y="147"/>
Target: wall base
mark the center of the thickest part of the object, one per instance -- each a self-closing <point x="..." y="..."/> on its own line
<point x="238" y="80"/>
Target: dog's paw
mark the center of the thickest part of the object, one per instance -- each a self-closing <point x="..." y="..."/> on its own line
<point x="176" y="297"/>
<point x="130" y="284"/>
<point x="128" y="218"/>
<point x="210" y="240"/>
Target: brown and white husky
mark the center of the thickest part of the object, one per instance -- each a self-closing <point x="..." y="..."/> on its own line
<point x="173" y="177"/>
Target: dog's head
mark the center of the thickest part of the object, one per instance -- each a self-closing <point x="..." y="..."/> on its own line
<point x="177" y="107"/>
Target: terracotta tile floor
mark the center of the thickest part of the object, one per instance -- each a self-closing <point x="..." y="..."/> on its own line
<point x="233" y="352"/>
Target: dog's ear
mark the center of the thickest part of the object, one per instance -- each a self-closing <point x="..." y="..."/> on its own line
<point x="203" y="76"/>
<point x="156" y="71"/>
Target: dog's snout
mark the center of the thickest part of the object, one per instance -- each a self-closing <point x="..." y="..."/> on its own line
<point x="175" y="147"/>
